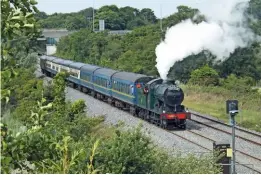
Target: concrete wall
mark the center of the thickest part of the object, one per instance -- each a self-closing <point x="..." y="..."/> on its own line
<point x="50" y="49"/>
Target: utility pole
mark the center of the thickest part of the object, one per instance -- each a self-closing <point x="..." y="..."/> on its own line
<point x="161" y="17"/>
<point x="93" y="16"/>
<point x="233" y="144"/>
<point x="232" y="110"/>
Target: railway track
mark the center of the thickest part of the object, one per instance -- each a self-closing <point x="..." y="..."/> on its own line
<point x="257" y="141"/>
<point x="176" y="133"/>
<point x="256" y="136"/>
<point x="212" y="140"/>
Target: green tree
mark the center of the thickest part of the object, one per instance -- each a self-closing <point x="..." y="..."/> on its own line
<point x="204" y="76"/>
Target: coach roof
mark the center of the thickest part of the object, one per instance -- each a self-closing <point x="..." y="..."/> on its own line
<point x="67" y="62"/>
<point x="129" y="76"/>
<point x="57" y="60"/>
<point x="105" y="71"/>
<point x="50" y="58"/>
<point x="89" y="68"/>
<point x="76" y="65"/>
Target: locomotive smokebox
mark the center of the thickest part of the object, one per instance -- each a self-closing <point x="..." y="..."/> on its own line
<point x="169" y="93"/>
<point x="173" y="96"/>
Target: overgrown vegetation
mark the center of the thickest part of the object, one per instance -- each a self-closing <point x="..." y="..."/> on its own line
<point x="203" y="96"/>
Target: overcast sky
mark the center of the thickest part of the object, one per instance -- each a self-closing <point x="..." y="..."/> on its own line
<point x="168" y="6"/>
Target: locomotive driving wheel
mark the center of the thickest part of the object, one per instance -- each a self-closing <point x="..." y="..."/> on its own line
<point x="163" y="123"/>
<point x="183" y="125"/>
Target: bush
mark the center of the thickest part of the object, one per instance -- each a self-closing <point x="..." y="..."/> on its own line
<point x="128" y="152"/>
<point x="204" y="76"/>
<point x="241" y="84"/>
<point x="133" y="152"/>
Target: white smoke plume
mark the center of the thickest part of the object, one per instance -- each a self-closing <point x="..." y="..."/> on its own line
<point x="225" y="31"/>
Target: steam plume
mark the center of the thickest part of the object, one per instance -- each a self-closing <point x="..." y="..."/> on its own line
<point x="225" y="31"/>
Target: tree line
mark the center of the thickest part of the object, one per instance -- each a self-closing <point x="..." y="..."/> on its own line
<point x="125" y="18"/>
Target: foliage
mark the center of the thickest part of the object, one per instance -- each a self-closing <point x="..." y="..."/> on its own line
<point x="77" y="108"/>
<point x="124" y="53"/>
<point x="17" y="24"/>
<point x="132" y="151"/>
<point x="204" y="76"/>
<point x="58" y="92"/>
<point x="17" y="19"/>
<point x="211" y="101"/>
<point x="241" y="84"/>
<point x="115" y="18"/>
<point x="25" y="91"/>
<point x="128" y="152"/>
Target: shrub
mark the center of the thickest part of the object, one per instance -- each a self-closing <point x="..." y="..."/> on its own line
<point x="241" y="84"/>
<point x="204" y="76"/>
<point x="128" y="152"/>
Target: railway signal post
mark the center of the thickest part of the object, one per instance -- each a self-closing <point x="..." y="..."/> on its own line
<point x="232" y="110"/>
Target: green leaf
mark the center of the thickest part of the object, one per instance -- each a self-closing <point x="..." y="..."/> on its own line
<point x="29" y="25"/>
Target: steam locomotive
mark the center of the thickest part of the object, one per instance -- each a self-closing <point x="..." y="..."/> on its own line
<point x="153" y="99"/>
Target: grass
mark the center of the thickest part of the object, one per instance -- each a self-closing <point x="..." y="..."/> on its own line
<point x="212" y="101"/>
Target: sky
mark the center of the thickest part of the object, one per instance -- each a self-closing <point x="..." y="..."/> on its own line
<point x="168" y="6"/>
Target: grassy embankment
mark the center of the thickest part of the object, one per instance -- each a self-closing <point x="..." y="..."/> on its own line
<point x="212" y="101"/>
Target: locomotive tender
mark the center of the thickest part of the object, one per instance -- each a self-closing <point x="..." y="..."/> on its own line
<point x="149" y="98"/>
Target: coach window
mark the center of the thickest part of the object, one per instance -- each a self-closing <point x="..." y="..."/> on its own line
<point x="114" y="85"/>
<point x="104" y="82"/>
<point x="124" y="90"/>
<point x="87" y="77"/>
<point x="126" y="87"/>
